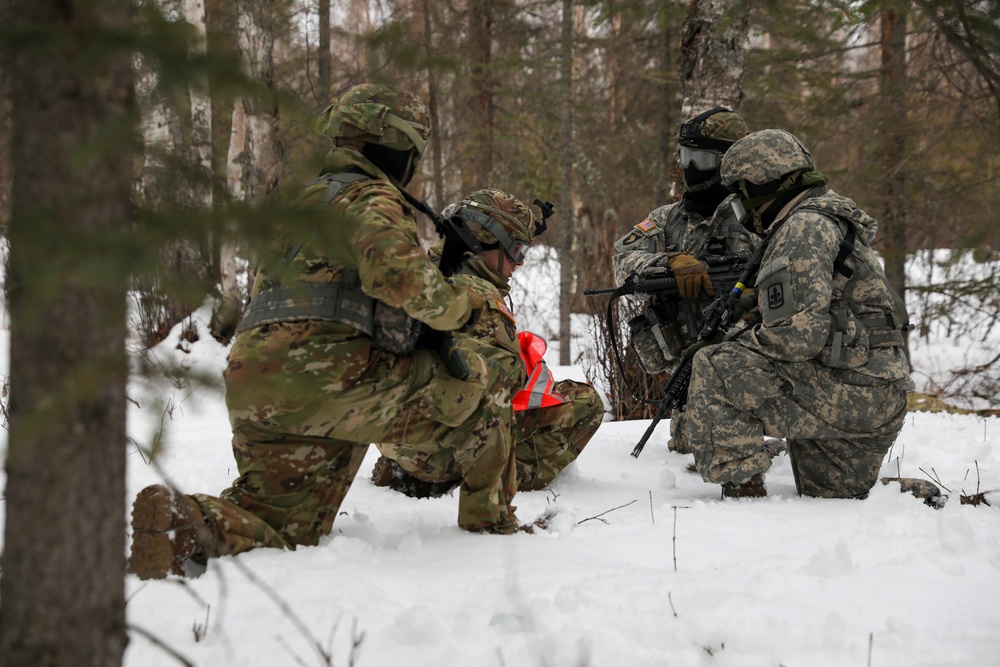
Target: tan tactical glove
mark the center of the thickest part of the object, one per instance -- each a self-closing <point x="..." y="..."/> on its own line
<point x="692" y="276"/>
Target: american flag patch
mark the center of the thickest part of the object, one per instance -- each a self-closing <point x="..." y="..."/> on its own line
<point x="502" y="307"/>
<point x="646" y="225"/>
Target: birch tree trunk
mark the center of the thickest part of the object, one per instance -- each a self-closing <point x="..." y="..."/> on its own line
<point x="63" y="563"/>
<point x="566" y="198"/>
<point x="712" y="61"/>
<point x="433" y="109"/>
<point x="255" y="153"/>
<point x="166" y="141"/>
<point x="713" y="55"/>
<point x="201" y="112"/>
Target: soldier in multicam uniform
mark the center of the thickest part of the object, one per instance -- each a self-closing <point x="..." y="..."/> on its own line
<point x="553" y="421"/>
<point x="324" y="362"/>
<point x="825" y="365"/>
<point x="673" y="238"/>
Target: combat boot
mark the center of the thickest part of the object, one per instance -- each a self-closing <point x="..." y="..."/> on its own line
<point x="752" y="488"/>
<point x="382" y="472"/>
<point x="389" y="473"/>
<point x="920" y="488"/>
<point x="167" y="530"/>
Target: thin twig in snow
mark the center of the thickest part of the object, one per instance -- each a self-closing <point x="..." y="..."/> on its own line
<point x="683" y="507"/>
<point x="598" y="517"/>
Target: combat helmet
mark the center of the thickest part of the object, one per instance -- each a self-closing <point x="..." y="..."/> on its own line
<point x="764" y="157"/>
<point x="703" y="139"/>
<point x="765" y="169"/>
<point x="390" y="126"/>
<point x="498" y="220"/>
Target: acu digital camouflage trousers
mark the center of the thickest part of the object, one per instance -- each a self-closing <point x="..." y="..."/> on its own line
<point x="547" y="440"/>
<point x="838" y="424"/>
<point x="298" y="446"/>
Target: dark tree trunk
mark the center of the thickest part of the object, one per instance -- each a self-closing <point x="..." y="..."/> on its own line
<point x="894" y="203"/>
<point x="62" y="590"/>
<point x="324" y="57"/>
<point x="481" y="44"/>
<point x="566" y="153"/>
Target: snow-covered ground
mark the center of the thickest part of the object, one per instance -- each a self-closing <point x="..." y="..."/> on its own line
<point x="642" y="564"/>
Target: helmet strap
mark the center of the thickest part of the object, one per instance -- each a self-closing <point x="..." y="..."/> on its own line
<point x="409" y="129"/>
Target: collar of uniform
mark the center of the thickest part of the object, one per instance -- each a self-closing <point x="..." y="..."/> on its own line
<point x="787" y="208"/>
<point x="477" y="267"/>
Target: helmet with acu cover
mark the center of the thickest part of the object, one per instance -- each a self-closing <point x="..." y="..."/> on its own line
<point x="764" y="157"/>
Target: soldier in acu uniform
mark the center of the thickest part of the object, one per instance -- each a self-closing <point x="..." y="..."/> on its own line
<point x="553" y="421"/>
<point x="673" y="239"/>
<point x="825" y="366"/>
<point x="325" y="362"/>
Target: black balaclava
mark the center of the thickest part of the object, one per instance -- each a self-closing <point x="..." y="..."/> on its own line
<point x="703" y="190"/>
<point x="398" y="165"/>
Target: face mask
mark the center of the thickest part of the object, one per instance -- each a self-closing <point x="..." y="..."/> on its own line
<point x="748" y="210"/>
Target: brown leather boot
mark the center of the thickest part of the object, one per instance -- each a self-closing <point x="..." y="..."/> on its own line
<point x="167" y="530"/>
<point x="752" y="488"/>
<point x="382" y="472"/>
<point x="388" y="473"/>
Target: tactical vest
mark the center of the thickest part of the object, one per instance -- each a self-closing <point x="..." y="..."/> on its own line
<point x="389" y="328"/>
<point x="856" y="327"/>
<point x="668" y="325"/>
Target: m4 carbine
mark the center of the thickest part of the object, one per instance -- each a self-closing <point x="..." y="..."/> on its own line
<point x="723" y="271"/>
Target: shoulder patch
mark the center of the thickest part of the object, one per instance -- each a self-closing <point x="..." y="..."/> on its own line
<point x="502" y="307"/>
<point x="646" y="226"/>
<point x="630" y="239"/>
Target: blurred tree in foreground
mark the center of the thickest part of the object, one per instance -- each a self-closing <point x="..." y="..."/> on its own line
<point x="62" y="592"/>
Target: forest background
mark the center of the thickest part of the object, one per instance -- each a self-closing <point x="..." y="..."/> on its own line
<point x="142" y="146"/>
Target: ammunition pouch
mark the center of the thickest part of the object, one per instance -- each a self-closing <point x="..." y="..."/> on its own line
<point x="656" y="341"/>
<point x="664" y="330"/>
<point x="390" y="329"/>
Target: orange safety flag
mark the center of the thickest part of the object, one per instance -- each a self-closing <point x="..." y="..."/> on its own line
<point x="537" y="391"/>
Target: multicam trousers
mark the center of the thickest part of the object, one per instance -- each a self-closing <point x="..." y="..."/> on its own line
<point x="547" y="440"/>
<point x="297" y="464"/>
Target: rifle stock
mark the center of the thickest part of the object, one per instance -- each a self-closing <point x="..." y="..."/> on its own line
<point x="459" y="241"/>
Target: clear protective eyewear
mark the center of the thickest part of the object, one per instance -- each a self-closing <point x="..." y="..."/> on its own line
<point x="515" y="249"/>
<point x="739" y="210"/>
<point x="703" y="160"/>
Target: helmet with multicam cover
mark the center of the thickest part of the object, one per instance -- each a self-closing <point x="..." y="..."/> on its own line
<point x="497" y="219"/>
<point x="703" y="139"/>
<point x="377" y="114"/>
<point x="763" y="157"/>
